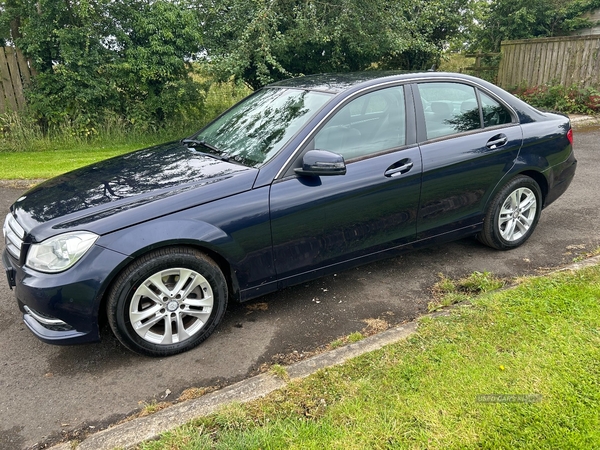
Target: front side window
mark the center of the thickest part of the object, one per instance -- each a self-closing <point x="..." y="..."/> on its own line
<point x="369" y="124"/>
<point x="256" y="129"/>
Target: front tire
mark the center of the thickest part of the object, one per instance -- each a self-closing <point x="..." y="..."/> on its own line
<point x="167" y="302"/>
<point x="512" y="215"/>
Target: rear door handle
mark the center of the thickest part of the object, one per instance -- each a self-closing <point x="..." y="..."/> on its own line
<point x="497" y="141"/>
<point x="399" y="170"/>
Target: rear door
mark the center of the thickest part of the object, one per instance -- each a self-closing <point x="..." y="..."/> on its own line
<point x="469" y="141"/>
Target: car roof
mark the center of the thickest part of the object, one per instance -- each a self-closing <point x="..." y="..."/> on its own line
<point x="339" y="82"/>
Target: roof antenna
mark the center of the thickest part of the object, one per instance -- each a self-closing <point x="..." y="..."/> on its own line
<point x="432" y="68"/>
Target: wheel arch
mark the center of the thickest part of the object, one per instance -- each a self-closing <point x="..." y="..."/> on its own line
<point x="225" y="266"/>
<point x="540" y="179"/>
<point x="165" y="332"/>
<point x="537" y="176"/>
<point x="492" y="233"/>
<point x="205" y="238"/>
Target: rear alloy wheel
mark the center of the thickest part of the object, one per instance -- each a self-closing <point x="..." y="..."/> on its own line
<point x="513" y="214"/>
<point x="167" y="302"/>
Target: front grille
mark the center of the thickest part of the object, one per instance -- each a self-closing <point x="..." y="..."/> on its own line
<point x="13" y="236"/>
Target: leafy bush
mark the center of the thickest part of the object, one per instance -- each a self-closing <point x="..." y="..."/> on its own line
<point x="572" y="99"/>
<point x="22" y="132"/>
<point x="101" y="61"/>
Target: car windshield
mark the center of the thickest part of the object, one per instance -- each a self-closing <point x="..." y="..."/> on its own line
<point x="256" y="129"/>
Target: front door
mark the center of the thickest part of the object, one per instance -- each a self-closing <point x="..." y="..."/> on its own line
<point x="318" y="222"/>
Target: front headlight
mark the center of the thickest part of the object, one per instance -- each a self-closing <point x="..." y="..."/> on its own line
<point x="60" y="252"/>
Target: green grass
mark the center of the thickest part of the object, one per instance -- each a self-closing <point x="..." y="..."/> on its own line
<point x="279" y="371"/>
<point x="448" y="292"/>
<point x="455" y="62"/>
<point x="47" y="164"/>
<point x="539" y="343"/>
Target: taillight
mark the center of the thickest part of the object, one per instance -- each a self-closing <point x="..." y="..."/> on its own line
<point x="570" y="136"/>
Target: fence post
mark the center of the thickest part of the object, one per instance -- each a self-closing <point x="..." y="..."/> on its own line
<point x="15" y="74"/>
<point x="478" y="69"/>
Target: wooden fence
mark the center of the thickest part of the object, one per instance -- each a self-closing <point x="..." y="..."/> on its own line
<point x="15" y="74"/>
<point x="486" y="65"/>
<point x="566" y="60"/>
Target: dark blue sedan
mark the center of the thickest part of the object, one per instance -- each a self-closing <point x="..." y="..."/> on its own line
<point x="303" y="178"/>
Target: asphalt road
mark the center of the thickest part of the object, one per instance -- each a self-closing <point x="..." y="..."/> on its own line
<point x="47" y="392"/>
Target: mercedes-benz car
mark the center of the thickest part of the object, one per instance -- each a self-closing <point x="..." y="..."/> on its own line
<point x="303" y="178"/>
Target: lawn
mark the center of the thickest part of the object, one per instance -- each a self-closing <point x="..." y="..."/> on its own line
<point x="49" y="163"/>
<point x="516" y="368"/>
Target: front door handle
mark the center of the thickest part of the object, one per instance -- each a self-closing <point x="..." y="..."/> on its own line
<point x="399" y="170"/>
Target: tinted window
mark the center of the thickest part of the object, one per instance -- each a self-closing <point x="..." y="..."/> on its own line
<point x="493" y="112"/>
<point x="449" y="108"/>
<point x="368" y="124"/>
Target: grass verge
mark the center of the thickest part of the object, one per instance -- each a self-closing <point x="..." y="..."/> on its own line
<point x="447" y="292"/>
<point x="516" y="368"/>
<point x="47" y="164"/>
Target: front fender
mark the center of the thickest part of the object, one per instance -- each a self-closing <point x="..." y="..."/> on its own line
<point x="235" y="230"/>
<point x="143" y="238"/>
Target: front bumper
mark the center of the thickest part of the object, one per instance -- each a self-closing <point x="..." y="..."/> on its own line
<point x="63" y="308"/>
<point x="52" y="330"/>
<point x="9" y="270"/>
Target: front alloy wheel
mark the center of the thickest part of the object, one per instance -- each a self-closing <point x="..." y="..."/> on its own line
<point x="167" y="302"/>
<point x="171" y="306"/>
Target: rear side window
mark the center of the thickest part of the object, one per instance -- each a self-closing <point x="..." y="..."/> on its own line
<point x="450" y="108"/>
<point x="493" y="112"/>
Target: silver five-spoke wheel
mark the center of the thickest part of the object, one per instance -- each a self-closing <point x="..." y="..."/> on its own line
<point x="171" y="306"/>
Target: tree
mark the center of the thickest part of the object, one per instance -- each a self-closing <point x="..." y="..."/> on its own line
<point x="98" y="59"/>
<point x="260" y="41"/>
<point x="523" y="19"/>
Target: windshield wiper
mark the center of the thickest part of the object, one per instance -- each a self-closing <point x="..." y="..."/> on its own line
<point x="218" y="154"/>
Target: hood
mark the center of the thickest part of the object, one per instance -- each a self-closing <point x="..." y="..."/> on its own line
<point x="129" y="189"/>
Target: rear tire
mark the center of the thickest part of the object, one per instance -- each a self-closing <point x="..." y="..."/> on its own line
<point x="167" y="302"/>
<point x="512" y="215"/>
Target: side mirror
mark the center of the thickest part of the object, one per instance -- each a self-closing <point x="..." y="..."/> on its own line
<point x="321" y="162"/>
